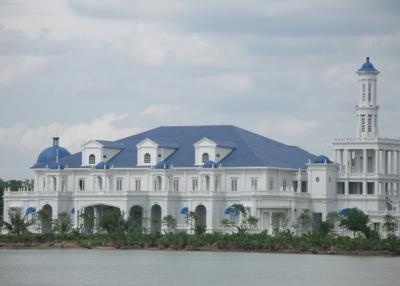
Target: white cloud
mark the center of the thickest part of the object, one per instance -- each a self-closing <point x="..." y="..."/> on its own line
<point x="160" y="110"/>
<point x="288" y="127"/>
<point x="228" y="82"/>
<point x="72" y="135"/>
<point x="20" y="67"/>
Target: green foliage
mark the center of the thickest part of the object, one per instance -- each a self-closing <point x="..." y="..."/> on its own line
<point x="170" y="223"/>
<point x="389" y="224"/>
<point x="62" y="224"/>
<point x="18" y="224"/>
<point x="247" y="222"/>
<point x="305" y="221"/>
<point x="44" y="220"/>
<point x="279" y="222"/>
<point x="355" y="221"/>
<point x="113" y="222"/>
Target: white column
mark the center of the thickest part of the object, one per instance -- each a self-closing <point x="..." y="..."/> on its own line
<point x="383" y="167"/>
<point x="346" y="187"/>
<point x="376" y="161"/>
<point x="365" y="161"/>
<point x="364" y="186"/>
<point x="348" y="162"/>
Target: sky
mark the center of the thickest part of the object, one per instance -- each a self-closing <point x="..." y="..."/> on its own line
<point x="106" y="69"/>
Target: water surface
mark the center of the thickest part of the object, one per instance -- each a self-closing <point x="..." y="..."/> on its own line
<point x="59" y="267"/>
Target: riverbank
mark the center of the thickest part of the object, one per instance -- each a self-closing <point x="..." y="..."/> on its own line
<point x="281" y="243"/>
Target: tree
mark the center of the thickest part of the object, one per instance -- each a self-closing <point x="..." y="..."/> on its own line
<point x="113" y="222"/>
<point x="44" y="220"/>
<point x="247" y="223"/>
<point x="389" y="224"/>
<point x="191" y="218"/>
<point x="17" y="222"/>
<point x="170" y="223"/>
<point x="279" y="221"/>
<point x="355" y="221"/>
<point x="62" y="224"/>
<point x="305" y="221"/>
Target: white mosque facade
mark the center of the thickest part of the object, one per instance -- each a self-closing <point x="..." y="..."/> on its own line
<point x="205" y="169"/>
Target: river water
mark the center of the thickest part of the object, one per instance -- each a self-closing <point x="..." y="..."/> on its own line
<point x="59" y="267"/>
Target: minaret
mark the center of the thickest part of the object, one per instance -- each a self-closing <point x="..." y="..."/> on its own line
<point x="367" y="108"/>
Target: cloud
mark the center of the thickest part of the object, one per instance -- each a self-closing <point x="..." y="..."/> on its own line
<point x="72" y="135"/>
<point x="231" y="82"/>
<point x="160" y="110"/>
<point x="288" y="127"/>
<point x="23" y="66"/>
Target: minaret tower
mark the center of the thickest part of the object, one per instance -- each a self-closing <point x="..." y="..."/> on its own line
<point x="367" y="108"/>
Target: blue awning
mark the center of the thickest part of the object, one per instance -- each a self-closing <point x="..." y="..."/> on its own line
<point x="72" y="211"/>
<point x="231" y="211"/>
<point x="30" y="210"/>
<point x="346" y="211"/>
<point x="185" y="211"/>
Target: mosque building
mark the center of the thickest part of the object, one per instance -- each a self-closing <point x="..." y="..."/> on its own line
<point x="176" y="170"/>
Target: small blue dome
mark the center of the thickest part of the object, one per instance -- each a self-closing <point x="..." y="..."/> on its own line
<point x="368" y="67"/>
<point x="210" y="164"/>
<point x="102" y="165"/>
<point x="162" y="165"/>
<point x="345" y="211"/>
<point x="51" y="154"/>
<point x="321" y="159"/>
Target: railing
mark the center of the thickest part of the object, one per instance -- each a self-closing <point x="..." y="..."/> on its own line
<point x="366" y="140"/>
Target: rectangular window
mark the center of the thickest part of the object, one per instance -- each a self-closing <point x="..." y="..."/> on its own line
<point x="176" y="184"/>
<point x="271" y="183"/>
<point x="195" y="184"/>
<point x="369" y="91"/>
<point x="254" y="182"/>
<point x="82" y="184"/>
<point x="234" y="184"/>
<point x="118" y="184"/>
<point x="138" y="187"/>
<point x="284" y="184"/>
<point x="369" y="122"/>
<point x="362" y="123"/>
<point x="363" y="91"/>
<point x="295" y="186"/>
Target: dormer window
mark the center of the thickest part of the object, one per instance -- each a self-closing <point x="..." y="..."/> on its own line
<point x="205" y="157"/>
<point x="92" y="159"/>
<point x="147" y="158"/>
<point x="150" y="152"/>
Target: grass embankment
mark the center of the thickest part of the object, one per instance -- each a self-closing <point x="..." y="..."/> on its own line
<point x="283" y="242"/>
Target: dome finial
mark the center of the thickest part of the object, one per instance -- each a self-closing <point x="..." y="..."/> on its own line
<point x="56" y="141"/>
<point x="367" y="59"/>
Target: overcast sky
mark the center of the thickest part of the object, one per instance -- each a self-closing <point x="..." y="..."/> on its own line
<point x="105" y="69"/>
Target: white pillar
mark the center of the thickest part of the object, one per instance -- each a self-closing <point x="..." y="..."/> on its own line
<point x="365" y="161"/>
<point x="376" y="161"/>
<point x="346" y="187"/>
<point x="348" y="162"/>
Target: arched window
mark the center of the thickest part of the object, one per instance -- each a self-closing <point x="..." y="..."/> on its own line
<point x="205" y="157"/>
<point x="157" y="183"/>
<point x="92" y="159"/>
<point x="147" y="158"/>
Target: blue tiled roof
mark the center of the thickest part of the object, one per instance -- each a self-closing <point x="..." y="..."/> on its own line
<point x="367" y="67"/>
<point x="251" y="150"/>
<point x="50" y="155"/>
<point x="210" y="164"/>
<point x="111" y="144"/>
<point x="162" y="165"/>
<point x="321" y="159"/>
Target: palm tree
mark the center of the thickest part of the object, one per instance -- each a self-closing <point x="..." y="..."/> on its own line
<point x="170" y="222"/>
<point x="18" y="223"/>
<point x="62" y="224"/>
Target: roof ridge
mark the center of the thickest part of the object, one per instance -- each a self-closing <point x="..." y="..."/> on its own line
<point x="235" y="128"/>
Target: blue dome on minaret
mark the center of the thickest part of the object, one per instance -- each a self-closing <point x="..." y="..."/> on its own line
<point x="368" y="67"/>
<point x="51" y="155"/>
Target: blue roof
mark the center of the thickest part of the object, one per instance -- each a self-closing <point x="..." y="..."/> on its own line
<point x="103" y="165"/>
<point x="210" y="164"/>
<point x="111" y="144"/>
<point x="51" y="155"/>
<point x="162" y="165"/>
<point x="321" y="159"/>
<point x="251" y="150"/>
<point x="368" y="67"/>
